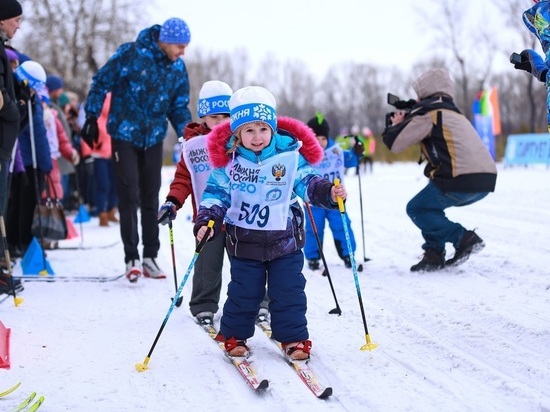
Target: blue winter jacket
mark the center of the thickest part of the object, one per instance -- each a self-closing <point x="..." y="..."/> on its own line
<point x="42" y="147"/>
<point x="350" y="158"/>
<point x="308" y="185"/>
<point x="147" y="89"/>
<point x="537" y="20"/>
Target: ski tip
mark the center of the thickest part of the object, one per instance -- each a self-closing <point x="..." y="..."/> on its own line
<point x="360" y="268"/>
<point x="325" y="394"/>
<point x="10" y="390"/>
<point x="132" y="278"/>
<point x="264" y="384"/>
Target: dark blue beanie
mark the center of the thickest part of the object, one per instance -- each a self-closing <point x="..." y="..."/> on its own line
<point x="54" y="83"/>
<point x="10" y="9"/>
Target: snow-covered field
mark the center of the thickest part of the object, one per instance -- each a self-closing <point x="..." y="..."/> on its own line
<point x="473" y="338"/>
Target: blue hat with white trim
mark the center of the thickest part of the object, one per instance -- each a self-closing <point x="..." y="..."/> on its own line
<point x="252" y="104"/>
<point x="33" y="73"/>
<point x="214" y="98"/>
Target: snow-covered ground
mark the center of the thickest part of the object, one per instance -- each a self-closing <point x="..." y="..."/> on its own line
<point x="474" y="338"/>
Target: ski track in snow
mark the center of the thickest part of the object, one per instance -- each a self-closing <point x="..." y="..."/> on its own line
<point x="470" y="338"/>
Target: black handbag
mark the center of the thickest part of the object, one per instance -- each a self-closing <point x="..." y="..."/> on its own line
<point x="49" y="217"/>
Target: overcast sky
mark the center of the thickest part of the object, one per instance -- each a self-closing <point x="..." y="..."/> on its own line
<point x="320" y="33"/>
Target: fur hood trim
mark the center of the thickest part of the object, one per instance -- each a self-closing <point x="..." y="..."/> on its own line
<point x="220" y="136"/>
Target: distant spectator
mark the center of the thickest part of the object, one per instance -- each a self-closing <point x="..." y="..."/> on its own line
<point x="369" y="143"/>
<point x="13" y="58"/>
<point x="105" y="195"/>
<point x="56" y="88"/>
<point x="34" y="146"/>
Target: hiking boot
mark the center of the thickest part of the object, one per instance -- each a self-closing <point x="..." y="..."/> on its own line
<point x="347" y="261"/>
<point x="470" y="243"/>
<point x="298" y="350"/>
<point x="103" y="219"/>
<point x="152" y="270"/>
<point x="313" y="264"/>
<point x="111" y="215"/>
<point x="205" y="318"/>
<point x="133" y="270"/>
<point x="236" y="348"/>
<point x="432" y="260"/>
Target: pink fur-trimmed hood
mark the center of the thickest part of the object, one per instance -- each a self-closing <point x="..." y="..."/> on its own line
<point x="220" y="136"/>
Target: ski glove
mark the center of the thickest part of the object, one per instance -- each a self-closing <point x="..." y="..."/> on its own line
<point x="90" y="131"/>
<point x="532" y="63"/>
<point x="23" y="91"/>
<point x="167" y="212"/>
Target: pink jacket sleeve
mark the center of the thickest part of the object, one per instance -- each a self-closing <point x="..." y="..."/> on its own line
<point x="65" y="147"/>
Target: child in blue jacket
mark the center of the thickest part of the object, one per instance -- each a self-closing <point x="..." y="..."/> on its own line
<point x="259" y="171"/>
<point x="332" y="166"/>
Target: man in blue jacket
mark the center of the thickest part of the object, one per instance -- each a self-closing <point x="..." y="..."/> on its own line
<point x="149" y="85"/>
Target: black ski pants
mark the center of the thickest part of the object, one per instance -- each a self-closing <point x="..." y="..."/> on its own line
<point x="138" y="181"/>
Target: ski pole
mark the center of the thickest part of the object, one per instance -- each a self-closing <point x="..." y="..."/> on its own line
<point x="80" y="197"/>
<point x="171" y="231"/>
<point x="16" y="301"/>
<point x="369" y="345"/>
<point x="43" y="272"/>
<point x="365" y="258"/>
<point x="337" y="309"/>
<point x="141" y="367"/>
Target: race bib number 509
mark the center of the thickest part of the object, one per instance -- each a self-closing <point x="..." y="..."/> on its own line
<point x="254" y="215"/>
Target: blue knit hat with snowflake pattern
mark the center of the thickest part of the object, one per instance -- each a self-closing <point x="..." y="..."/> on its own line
<point x="252" y="104"/>
<point x="175" y="31"/>
<point x="214" y="98"/>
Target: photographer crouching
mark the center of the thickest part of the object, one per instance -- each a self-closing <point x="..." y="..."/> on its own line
<point x="459" y="167"/>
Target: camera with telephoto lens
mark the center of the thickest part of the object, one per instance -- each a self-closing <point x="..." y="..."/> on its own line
<point x="401" y="105"/>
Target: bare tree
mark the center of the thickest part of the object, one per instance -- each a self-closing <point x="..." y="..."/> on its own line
<point x="73" y="38"/>
<point x="469" y="43"/>
<point x="202" y="66"/>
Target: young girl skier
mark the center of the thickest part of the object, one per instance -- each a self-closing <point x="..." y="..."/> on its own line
<point x="260" y="170"/>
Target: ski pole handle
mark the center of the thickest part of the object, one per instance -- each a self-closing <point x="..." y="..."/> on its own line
<point x="205" y="237"/>
<point x="338" y="198"/>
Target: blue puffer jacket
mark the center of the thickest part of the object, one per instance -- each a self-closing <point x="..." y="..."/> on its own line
<point x="147" y="88"/>
<point x="41" y="145"/>
<point x="309" y="185"/>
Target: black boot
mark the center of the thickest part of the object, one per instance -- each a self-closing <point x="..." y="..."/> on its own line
<point x="470" y="243"/>
<point x="313" y="264"/>
<point x="431" y="261"/>
<point x="347" y="261"/>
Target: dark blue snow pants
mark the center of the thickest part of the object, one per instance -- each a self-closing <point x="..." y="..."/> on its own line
<point x="285" y="288"/>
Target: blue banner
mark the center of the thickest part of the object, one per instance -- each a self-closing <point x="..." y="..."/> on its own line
<point x="484" y="127"/>
<point x="523" y="149"/>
